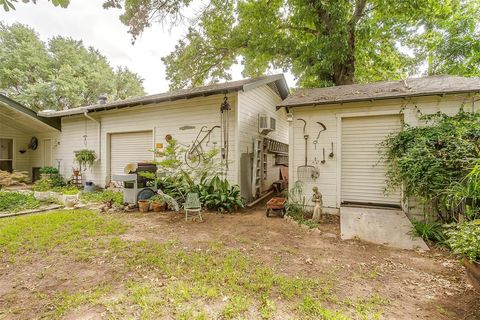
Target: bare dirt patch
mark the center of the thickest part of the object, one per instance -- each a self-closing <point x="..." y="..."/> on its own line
<point x="417" y="285"/>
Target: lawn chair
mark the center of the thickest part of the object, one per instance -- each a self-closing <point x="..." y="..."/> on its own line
<point x="193" y="205"/>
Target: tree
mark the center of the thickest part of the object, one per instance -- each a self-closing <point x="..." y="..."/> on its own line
<point x="321" y="42"/>
<point x="60" y="74"/>
<point x="8" y="4"/>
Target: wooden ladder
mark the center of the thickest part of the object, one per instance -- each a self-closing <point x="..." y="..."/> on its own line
<point x="257" y="167"/>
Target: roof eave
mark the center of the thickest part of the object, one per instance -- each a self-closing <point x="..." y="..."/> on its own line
<point x="54" y="123"/>
<point x="426" y="94"/>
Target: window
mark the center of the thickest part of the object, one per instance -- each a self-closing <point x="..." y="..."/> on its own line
<point x="6" y="154"/>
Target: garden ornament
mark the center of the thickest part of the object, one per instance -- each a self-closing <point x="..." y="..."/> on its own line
<point x="318" y="202"/>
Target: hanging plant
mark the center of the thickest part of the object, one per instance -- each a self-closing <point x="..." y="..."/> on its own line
<point x="85" y="158"/>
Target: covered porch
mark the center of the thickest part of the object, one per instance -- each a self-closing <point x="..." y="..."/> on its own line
<point x="27" y="141"/>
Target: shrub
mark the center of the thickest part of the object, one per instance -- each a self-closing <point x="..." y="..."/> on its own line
<point x="464" y="239"/>
<point x="48" y="170"/>
<point x="42" y="185"/>
<point x="218" y="194"/>
<point x="13" y="178"/>
<point x="17" y="201"/>
<point x="429" y="231"/>
<point x="428" y="160"/>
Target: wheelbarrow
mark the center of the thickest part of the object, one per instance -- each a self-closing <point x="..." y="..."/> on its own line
<point x="277" y="206"/>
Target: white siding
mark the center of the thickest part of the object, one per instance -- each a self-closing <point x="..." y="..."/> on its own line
<point x="261" y="100"/>
<point x="131" y="147"/>
<point x="330" y="115"/>
<point x="21" y="139"/>
<point x="162" y="119"/>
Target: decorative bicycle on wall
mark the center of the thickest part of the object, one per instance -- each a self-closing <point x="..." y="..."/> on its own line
<point x="195" y="153"/>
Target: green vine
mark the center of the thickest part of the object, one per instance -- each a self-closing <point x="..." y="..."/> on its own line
<point x="429" y="161"/>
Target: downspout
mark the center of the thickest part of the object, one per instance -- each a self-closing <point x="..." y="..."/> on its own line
<point x="99" y="138"/>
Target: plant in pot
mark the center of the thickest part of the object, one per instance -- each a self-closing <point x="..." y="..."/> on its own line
<point x="75" y="171"/>
<point x="85" y="158"/>
<point x="158" y="203"/>
<point x="464" y="240"/>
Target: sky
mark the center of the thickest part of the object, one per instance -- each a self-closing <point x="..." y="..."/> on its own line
<point x="86" y="20"/>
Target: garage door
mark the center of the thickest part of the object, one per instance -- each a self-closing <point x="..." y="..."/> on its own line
<point x="129" y="147"/>
<point x="363" y="172"/>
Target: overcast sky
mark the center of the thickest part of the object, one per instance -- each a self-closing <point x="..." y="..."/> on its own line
<point x="100" y="28"/>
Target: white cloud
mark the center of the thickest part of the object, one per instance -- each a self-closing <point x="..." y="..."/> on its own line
<point x="102" y="29"/>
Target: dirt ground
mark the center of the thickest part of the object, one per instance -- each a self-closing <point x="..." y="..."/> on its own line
<point x="418" y="285"/>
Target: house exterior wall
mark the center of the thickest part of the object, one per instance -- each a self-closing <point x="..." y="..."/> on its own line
<point x="162" y="119"/>
<point x="261" y="100"/>
<point x="21" y="140"/>
<point x="331" y="115"/>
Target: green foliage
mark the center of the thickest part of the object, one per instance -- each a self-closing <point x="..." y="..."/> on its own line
<point x="295" y="205"/>
<point x="320" y="42"/>
<point x="55" y="181"/>
<point x="66" y="190"/>
<point x="428" y="160"/>
<point x="42" y="185"/>
<point x="9" y="4"/>
<point x="103" y="196"/>
<point x="48" y="170"/>
<point x="464" y="239"/>
<point x="60" y="74"/>
<point x="177" y="179"/>
<point x="85" y="158"/>
<point x="466" y="193"/>
<point x="429" y="231"/>
<point x="17" y="201"/>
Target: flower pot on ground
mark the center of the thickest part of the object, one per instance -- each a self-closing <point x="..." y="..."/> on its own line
<point x="472" y="269"/>
<point x="143" y="205"/>
<point x="158" y="203"/>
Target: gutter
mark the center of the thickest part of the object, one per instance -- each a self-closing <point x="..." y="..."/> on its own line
<point x="99" y="138"/>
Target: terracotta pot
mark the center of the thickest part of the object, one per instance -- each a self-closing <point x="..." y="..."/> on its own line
<point x="473" y="273"/>
<point x="143" y="205"/>
<point x="76" y="173"/>
<point x="158" y="207"/>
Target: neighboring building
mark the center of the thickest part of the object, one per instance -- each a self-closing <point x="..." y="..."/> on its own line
<point x="359" y="117"/>
<point x="126" y="131"/>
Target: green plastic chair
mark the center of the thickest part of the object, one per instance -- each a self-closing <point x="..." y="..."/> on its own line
<point x="193" y="205"/>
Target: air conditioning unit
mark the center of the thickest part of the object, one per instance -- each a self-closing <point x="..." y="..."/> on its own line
<point x="266" y="124"/>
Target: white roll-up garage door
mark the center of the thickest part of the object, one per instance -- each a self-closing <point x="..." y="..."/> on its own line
<point x="129" y="147"/>
<point x="363" y="172"/>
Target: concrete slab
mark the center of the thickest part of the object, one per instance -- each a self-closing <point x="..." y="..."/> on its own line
<point x="383" y="226"/>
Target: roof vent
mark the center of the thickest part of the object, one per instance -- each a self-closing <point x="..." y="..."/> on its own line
<point x="102" y="99"/>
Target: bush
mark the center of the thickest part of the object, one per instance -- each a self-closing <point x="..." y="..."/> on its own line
<point x="429" y="231"/>
<point x="218" y="194"/>
<point x="17" y="201"/>
<point x="48" y="170"/>
<point x="428" y="160"/>
<point x="42" y="185"/>
<point x="464" y="239"/>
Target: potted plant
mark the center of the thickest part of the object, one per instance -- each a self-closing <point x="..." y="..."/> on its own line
<point x="144" y="205"/>
<point x="464" y="239"/>
<point x="41" y="189"/>
<point x="158" y="203"/>
<point x="85" y="158"/>
<point x="70" y="196"/>
<point x="76" y="172"/>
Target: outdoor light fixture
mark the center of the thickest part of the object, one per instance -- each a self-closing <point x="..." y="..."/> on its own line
<point x="289" y="117"/>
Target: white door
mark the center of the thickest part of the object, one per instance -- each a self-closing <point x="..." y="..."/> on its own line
<point x="363" y="172"/>
<point x="129" y="147"/>
<point x="47" y="153"/>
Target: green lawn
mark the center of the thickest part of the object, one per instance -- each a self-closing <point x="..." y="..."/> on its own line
<point x="158" y="279"/>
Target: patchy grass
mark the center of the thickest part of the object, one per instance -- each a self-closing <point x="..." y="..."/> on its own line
<point x="155" y="280"/>
<point x="11" y="201"/>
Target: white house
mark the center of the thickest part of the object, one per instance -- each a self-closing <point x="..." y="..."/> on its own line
<point x="357" y="118"/>
<point x="126" y="131"/>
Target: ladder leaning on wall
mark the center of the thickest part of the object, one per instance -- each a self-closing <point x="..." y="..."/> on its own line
<point x="257" y="167"/>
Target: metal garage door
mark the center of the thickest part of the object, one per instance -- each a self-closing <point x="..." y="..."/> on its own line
<point x="363" y="172"/>
<point x="129" y="147"/>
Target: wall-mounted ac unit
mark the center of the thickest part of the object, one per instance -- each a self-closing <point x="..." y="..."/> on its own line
<point x="266" y="124"/>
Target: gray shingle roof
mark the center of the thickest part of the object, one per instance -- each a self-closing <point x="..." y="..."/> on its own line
<point x="277" y="80"/>
<point x="412" y="87"/>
